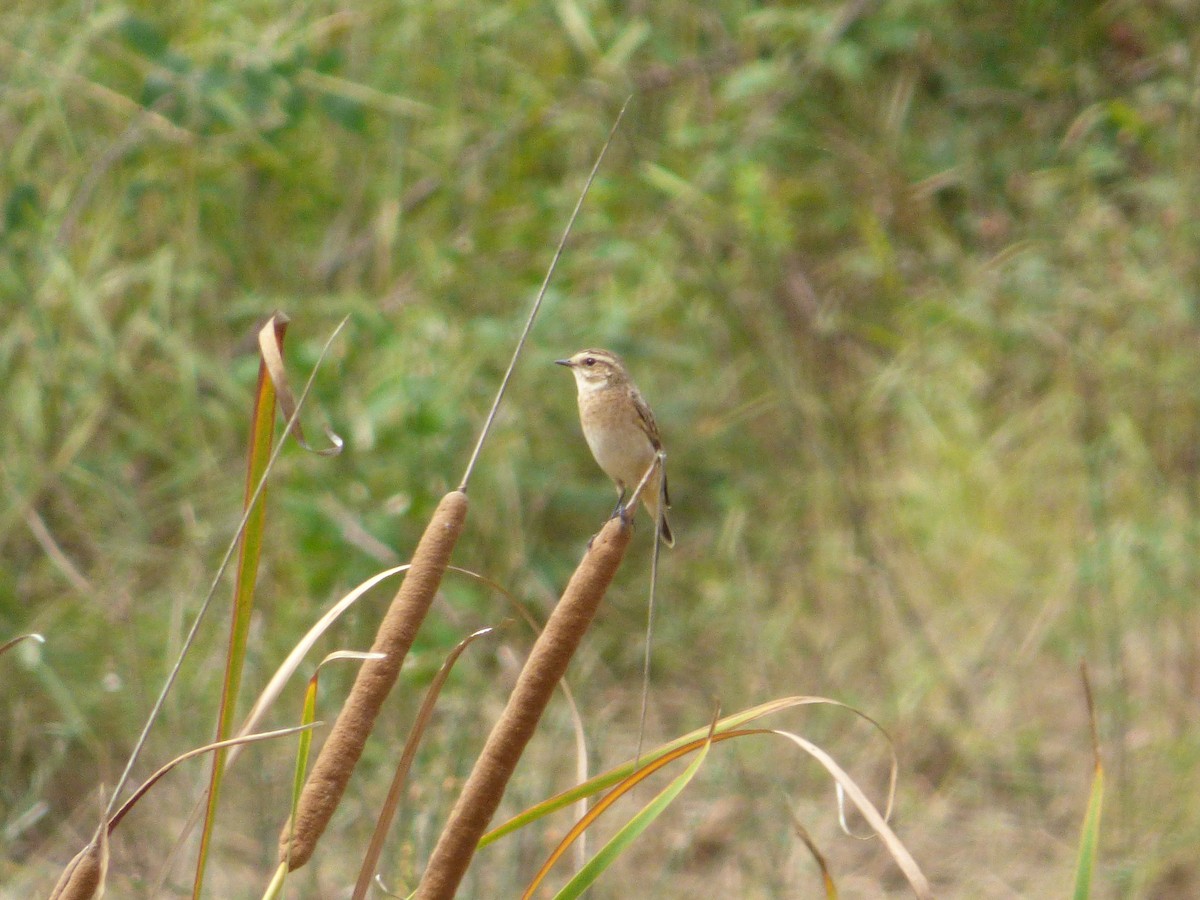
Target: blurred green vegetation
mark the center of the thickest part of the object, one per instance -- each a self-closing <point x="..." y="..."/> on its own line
<point x="911" y="285"/>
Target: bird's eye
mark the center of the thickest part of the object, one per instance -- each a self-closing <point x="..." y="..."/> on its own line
<point x="590" y="361"/>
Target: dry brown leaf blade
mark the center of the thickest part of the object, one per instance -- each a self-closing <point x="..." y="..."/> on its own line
<point x="270" y="340"/>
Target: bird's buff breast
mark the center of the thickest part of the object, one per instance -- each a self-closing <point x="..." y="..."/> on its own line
<point x="615" y="438"/>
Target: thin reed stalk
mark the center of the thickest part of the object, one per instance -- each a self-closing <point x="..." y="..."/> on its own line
<point x="546" y="665"/>
<point x="331" y="772"/>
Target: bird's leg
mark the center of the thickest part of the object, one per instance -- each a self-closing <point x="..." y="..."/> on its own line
<point x="622" y="510"/>
<point x="619" y="509"/>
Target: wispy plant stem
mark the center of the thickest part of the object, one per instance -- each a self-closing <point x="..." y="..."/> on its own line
<point x="537" y="303"/>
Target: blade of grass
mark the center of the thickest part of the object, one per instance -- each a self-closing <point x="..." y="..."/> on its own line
<point x="270" y="347"/>
<point x="267" y="697"/>
<point x="262" y="434"/>
<point x="728" y="723"/>
<point x="831" y="891"/>
<point x="212" y="589"/>
<point x="1089" y="838"/>
<point x="9" y="644"/>
<point x="216" y="745"/>
<point x="627" y="784"/>
<point x="625" y="837"/>
<point x="908" y="865"/>
<point x="296" y="656"/>
<point x="588" y="874"/>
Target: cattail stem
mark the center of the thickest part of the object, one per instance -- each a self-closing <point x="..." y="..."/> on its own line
<point x="331" y="772"/>
<point x="546" y="665"/>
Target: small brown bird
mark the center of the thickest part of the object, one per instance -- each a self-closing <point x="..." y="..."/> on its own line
<point x="619" y="428"/>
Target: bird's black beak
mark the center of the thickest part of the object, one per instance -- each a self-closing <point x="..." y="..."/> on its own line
<point x="563" y="362"/>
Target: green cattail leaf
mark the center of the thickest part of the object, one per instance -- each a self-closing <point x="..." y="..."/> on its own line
<point x="1089" y="839"/>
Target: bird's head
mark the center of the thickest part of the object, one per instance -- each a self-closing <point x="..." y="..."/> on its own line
<point x="595" y="368"/>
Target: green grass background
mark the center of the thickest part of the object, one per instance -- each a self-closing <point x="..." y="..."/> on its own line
<point x="911" y="285"/>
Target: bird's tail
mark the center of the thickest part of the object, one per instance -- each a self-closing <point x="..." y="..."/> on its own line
<point x="665" y="533"/>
